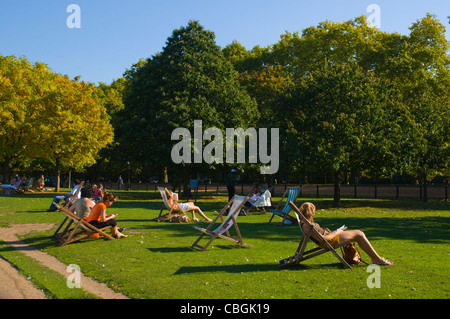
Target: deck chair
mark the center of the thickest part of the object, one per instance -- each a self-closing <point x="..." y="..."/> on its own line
<point x="74" y="197"/>
<point x="171" y="208"/>
<point x="261" y="203"/>
<point x="82" y="229"/>
<point x="71" y="201"/>
<point x="9" y="189"/>
<point x="322" y="245"/>
<point x="235" y="205"/>
<point x="28" y="186"/>
<point x="290" y="194"/>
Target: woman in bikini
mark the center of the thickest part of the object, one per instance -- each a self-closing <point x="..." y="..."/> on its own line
<point x="190" y="206"/>
<point x="308" y="210"/>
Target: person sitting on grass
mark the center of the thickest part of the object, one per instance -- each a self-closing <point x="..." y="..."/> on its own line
<point x="308" y="210"/>
<point x="99" y="219"/>
<point x="9" y="189"/>
<point x="97" y="193"/>
<point x="190" y="206"/>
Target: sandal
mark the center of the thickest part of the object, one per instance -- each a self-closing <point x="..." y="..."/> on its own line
<point x="385" y="262"/>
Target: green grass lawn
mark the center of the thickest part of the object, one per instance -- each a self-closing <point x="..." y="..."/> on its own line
<point x="157" y="261"/>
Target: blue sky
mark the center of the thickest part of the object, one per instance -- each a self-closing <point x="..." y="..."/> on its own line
<point x="115" y="34"/>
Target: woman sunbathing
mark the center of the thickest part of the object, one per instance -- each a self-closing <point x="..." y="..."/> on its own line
<point x="308" y="210"/>
<point x="190" y="206"/>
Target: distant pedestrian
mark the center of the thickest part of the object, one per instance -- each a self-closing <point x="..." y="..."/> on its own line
<point x="120" y="182"/>
<point x="231" y="179"/>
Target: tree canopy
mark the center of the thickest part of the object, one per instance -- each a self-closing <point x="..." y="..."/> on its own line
<point x="45" y="115"/>
<point x="347" y="98"/>
<point x="189" y="80"/>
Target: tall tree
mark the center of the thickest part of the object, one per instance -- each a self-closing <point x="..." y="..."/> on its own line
<point x="15" y="92"/>
<point x="189" y="80"/>
<point x="45" y="115"/>
<point x="346" y="119"/>
<point x="74" y="125"/>
<point x="420" y="65"/>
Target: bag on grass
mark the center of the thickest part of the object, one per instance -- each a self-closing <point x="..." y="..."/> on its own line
<point x="351" y="254"/>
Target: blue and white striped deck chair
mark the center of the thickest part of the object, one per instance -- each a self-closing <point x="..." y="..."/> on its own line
<point x="290" y="194"/>
<point x="261" y="203"/>
<point x="235" y="205"/>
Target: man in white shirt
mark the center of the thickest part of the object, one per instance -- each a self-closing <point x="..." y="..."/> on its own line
<point x="66" y="197"/>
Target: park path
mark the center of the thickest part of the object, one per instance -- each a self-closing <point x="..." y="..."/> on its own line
<point x="15" y="286"/>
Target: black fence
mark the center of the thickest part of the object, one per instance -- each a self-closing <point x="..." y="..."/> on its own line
<point x="325" y="191"/>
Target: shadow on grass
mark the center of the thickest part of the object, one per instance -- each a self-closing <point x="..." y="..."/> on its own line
<point x="250" y="268"/>
<point x="428" y="229"/>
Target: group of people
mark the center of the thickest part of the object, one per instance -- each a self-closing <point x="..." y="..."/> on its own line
<point x="22" y="184"/>
<point x="308" y="210"/>
<point x="93" y="201"/>
<point x="91" y="204"/>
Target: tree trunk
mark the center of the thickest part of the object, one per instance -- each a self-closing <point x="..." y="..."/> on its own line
<point x="6" y="176"/>
<point x="425" y="190"/>
<point x="337" y="190"/>
<point x="165" y="178"/>
<point x="58" y="173"/>
<point x="187" y="176"/>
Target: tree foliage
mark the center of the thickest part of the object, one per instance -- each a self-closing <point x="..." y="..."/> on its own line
<point x="189" y="80"/>
<point x="347" y="98"/>
<point x="47" y="116"/>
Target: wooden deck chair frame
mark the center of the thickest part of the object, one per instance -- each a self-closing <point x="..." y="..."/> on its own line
<point x="74" y="197"/>
<point x="301" y="254"/>
<point x="225" y="225"/>
<point x="283" y="211"/>
<point x="172" y="210"/>
<point x="82" y="229"/>
<point x="72" y="200"/>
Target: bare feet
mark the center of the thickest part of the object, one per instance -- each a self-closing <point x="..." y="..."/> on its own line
<point x="120" y="235"/>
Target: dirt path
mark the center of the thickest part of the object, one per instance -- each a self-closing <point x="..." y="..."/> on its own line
<point x="17" y="287"/>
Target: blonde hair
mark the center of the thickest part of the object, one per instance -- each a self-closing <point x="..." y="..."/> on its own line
<point x="308" y="210"/>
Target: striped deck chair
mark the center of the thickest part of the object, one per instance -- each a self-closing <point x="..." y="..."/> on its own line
<point x="261" y="203"/>
<point x="70" y="202"/>
<point x="82" y="228"/>
<point x="322" y="245"/>
<point x="74" y="196"/>
<point x="173" y="209"/>
<point x="290" y="194"/>
<point x="222" y="231"/>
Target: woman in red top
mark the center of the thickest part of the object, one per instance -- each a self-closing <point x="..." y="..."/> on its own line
<point x="99" y="219"/>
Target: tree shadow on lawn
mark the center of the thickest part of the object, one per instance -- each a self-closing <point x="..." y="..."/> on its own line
<point x="154" y="207"/>
<point x="428" y="229"/>
<point x="250" y="268"/>
<point x="402" y="204"/>
<point x="214" y="207"/>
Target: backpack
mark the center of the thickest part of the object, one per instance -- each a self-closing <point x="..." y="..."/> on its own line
<point x="351" y="254"/>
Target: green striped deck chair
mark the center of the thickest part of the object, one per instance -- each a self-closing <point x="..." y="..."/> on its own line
<point x="290" y="194"/>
